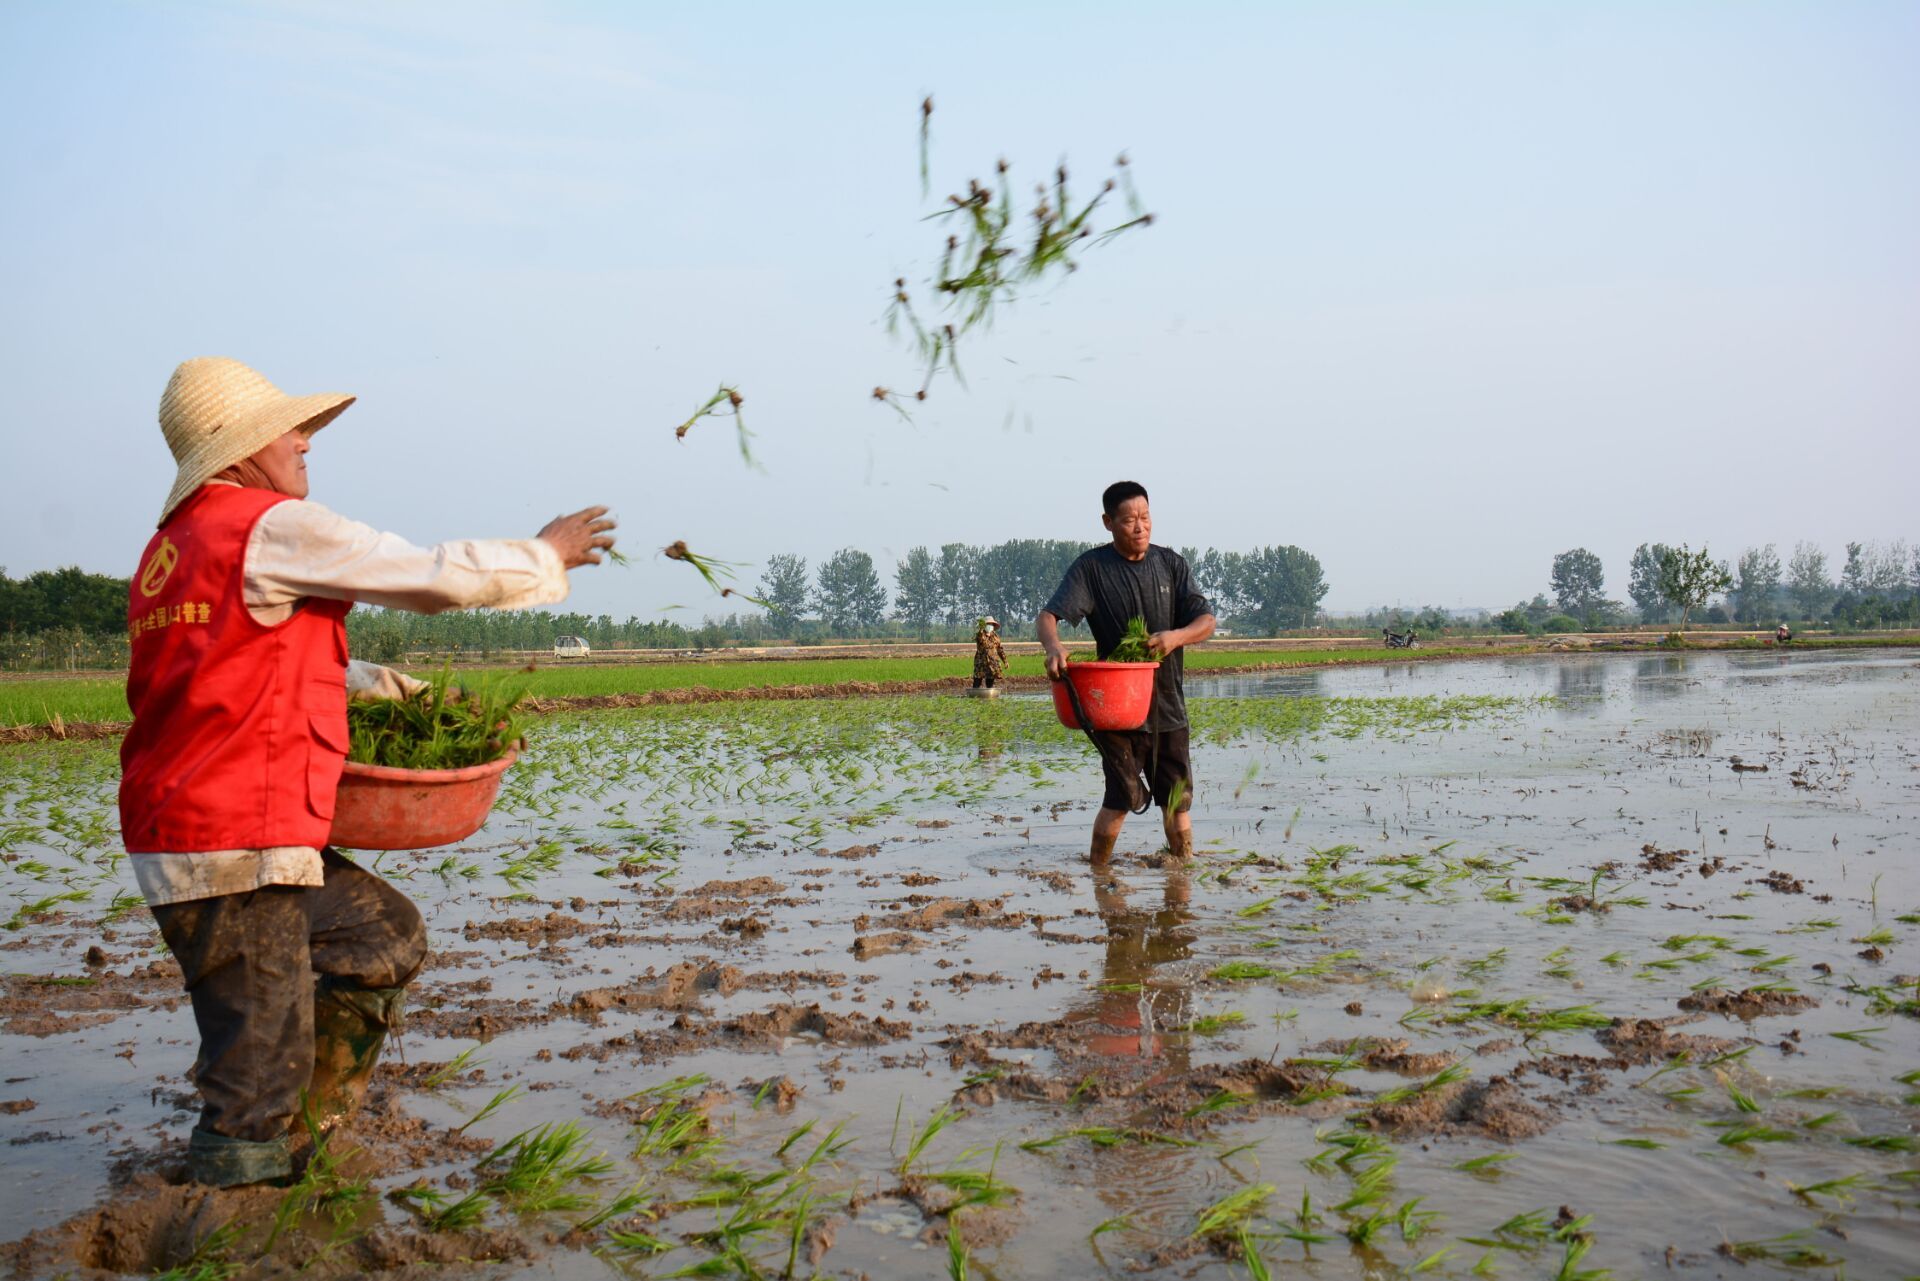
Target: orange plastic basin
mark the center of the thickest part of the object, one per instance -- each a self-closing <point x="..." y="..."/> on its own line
<point x="383" y="808"/>
<point x="1115" y="695"/>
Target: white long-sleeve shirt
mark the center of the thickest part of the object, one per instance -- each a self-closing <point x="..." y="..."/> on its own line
<point x="300" y="549"/>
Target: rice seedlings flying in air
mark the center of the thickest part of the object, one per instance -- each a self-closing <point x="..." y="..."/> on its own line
<point x="724" y="403"/>
<point x="926" y="136"/>
<point x="710" y="569"/>
<point x="987" y="262"/>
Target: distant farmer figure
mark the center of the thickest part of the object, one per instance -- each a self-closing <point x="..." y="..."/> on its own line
<point x="1782" y="634"/>
<point x="1109" y="586"/>
<point x="989" y="656"/>
<point x="294" y="958"/>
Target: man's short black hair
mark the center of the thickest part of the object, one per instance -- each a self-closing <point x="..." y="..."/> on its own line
<point x="1119" y="492"/>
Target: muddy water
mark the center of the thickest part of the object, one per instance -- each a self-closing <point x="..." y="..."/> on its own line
<point x="1442" y="880"/>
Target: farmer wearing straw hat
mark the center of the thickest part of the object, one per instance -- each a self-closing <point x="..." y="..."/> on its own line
<point x="294" y="958"/>
<point x="989" y="655"/>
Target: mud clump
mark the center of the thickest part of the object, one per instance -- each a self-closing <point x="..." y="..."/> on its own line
<point x="1256" y="1087"/>
<point x="1655" y="859"/>
<point x="748" y="888"/>
<point x="154" y="1221"/>
<point x="148" y="1226"/>
<point x="545" y="929"/>
<point x="389" y="1249"/>
<point x="853" y="852"/>
<point x="1495" y="1108"/>
<point x="1640" y="1041"/>
<point x="779" y="1090"/>
<point x="38" y="1005"/>
<point x="1385" y="1054"/>
<point x="1058" y="882"/>
<point x="1781" y="883"/>
<point x="680" y="988"/>
<point x="783" y="1021"/>
<point x="1746" y="1005"/>
<point x="941" y="911"/>
<point x="869" y="946"/>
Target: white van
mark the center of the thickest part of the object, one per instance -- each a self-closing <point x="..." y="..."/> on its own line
<point x="571" y="647"/>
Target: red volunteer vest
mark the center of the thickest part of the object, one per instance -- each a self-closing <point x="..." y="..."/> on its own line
<point x="239" y="730"/>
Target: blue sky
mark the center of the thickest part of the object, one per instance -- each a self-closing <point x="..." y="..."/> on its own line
<point x="1435" y="290"/>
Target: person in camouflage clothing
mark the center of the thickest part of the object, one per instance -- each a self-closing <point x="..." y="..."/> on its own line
<point x="989" y="656"/>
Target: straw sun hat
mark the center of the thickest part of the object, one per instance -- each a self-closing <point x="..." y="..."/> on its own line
<point x="217" y="411"/>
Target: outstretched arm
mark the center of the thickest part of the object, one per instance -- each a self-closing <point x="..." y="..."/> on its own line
<point x="301" y="549"/>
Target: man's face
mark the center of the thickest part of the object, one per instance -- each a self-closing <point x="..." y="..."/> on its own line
<point x="1132" y="528"/>
<point x="285" y="463"/>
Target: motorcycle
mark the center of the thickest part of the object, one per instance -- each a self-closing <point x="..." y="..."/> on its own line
<point x="1400" y="640"/>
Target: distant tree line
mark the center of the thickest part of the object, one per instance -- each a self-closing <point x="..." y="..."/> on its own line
<point x="1878" y="586"/>
<point x="63" y="618"/>
<point x="51" y="617"/>
<point x="1269" y="588"/>
<point x="935" y="594"/>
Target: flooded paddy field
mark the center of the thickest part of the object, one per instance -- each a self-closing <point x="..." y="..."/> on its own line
<point x="1562" y="967"/>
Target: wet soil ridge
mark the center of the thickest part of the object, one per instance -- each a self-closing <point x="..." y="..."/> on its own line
<point x="829" y="986"/>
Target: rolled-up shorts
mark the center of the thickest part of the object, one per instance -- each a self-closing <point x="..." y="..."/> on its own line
<point x="1159" y="756"/>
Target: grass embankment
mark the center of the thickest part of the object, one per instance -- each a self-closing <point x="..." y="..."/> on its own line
<point x="99" y="699"/>
<point x="38" y="702"/>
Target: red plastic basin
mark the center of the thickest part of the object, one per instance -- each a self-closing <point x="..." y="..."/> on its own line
<point x="1115" y="695"/>
<point x="383" y="808"/>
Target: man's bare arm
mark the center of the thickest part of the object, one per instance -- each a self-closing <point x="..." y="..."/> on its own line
<point x="1047" y="627"/>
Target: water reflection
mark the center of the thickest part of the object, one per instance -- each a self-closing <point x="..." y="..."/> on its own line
<point x="1659" y="678"/>
<point x="1259" y="685"/>
<point x="1136" y="1012"/>
<point x="1581" y="686"/>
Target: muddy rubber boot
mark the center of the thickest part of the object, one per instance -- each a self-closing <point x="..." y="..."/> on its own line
<point x="349" y="1026"/>
<point x="220" y="1162"/>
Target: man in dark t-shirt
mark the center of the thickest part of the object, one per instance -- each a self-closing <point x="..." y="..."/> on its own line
<point x="1108" y="586"/>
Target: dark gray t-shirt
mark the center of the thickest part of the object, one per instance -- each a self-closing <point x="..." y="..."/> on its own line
<point x="1106" y="589"/>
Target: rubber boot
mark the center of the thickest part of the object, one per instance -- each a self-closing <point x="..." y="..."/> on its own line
<point x="220" y="1162"/>
<point x="349" y="1026"/>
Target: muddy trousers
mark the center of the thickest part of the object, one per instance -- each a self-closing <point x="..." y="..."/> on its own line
<point x="256" y="966"/>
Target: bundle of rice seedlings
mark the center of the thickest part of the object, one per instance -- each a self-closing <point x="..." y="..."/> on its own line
<point x="440" y="727"/>
<point x="1133" y="647"/>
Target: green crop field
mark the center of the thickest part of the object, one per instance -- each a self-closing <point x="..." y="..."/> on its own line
<point x="35" y="701"/>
